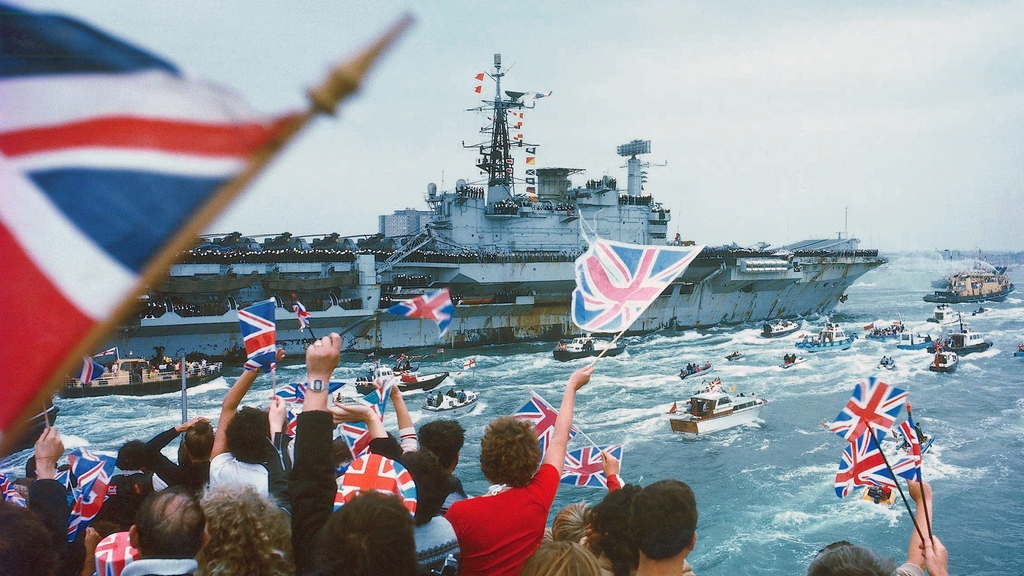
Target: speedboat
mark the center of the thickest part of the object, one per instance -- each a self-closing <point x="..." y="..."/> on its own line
<point x="407" y="381"/>
<point x="944" y="314"/>
<point x="883" y="495"/>
<point x="914" y="341"/>
<point x="887" y="363"/>
<point x="830" y="338"/>
<point x="714" y="411"/>
<point x="695" y="369"/>
<point x="1020" y="351"/>
<point x="944" y="362"/>
<point x="734" y="356"/>
<point x="779" y="328"/>
<point x="584" y="346"/>
<point x="981" y="310"/>
<point x="791" y="360"/>
<point x="964" y="342"/>
<point x="450" y="403"/>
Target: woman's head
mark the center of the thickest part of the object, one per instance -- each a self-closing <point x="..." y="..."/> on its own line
<point x="509" y="453"/>
<point x="570" y="524"/>
<point x="560" y="558"/>
<point x="248" y="534"/>
<point x="610" y="535"/>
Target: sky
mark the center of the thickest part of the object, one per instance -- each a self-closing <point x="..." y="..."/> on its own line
<point x="901" y="122"/>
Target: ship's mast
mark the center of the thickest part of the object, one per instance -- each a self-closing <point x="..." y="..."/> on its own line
<point x="637" y="173"/>
<point x="496" y="158"/>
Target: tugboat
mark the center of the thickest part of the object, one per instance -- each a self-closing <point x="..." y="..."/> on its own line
<point x="715" y="410"/>
<point x="450" y="403"/>
<point x="695" y="369"/>
<point x="914" y="341"/>
<point x="139" y="377"/>
<point x="779" y="328"/>
<point x="964" y="342"/>
<point x="584" y="346"/>
<point x="944" y="314"/>
<point x="974" y="286"/>
<point x="831" y="338"/>
<point x="944" y="362"/>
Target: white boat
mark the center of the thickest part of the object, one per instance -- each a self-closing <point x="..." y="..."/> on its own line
<point x="944" y="362"/>
<point x="734" y="356"/>
<point x="914" y="341"/>
<point x="830" y="338"/>
<point x="779" y="329"/>
<point x="585" y="346"/>
<point x="698" y="370"/>
<point x="964" y="342"/>
<point x="944" y="314"/>
<point x="886" y="363"/>
<point x="791" y="360"/>
<point x="713" y="411"/>
<point x="450" y="405"/>
<point x="406" y="381"/>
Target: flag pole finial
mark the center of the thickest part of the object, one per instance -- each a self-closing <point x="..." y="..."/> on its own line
<point x="347" y="76"/>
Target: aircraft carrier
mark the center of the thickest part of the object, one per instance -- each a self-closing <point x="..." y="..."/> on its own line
<point x="504" y="247"/>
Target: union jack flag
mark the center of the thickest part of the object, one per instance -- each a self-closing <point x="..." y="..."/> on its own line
<point x="862" y="464"/>
<point x="874" y="405"/>
<point x="296" y="391"/>
<point x="9" y="493"/>
<point x="92" y="472"/>
<point x="356" y="434"/>
<point x="436" y="306"/>
<point x="375" y="472"/>
<point x="303" y="315"/>
<point x="260" y="335"/>
<point x="94" y="131"/>
<point x="90" y="370"/>
<point x="538" y="412"/>
<point x="616" y="282"/>
<point x="583" y="466"/>
<point x="113" y="553"/>
<point x="909" y="465"/>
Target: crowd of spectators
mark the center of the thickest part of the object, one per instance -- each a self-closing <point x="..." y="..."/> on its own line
<point x="244" y="499"/>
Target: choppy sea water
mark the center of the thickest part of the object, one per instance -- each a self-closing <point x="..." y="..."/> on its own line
<point x="764" y="491"/>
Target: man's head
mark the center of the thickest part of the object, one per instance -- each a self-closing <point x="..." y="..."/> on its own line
<point x="25" y="546"/>
<point x="169" y="524"/>
<point x="845" y="559"/>
<point x="247" y="435"/>
<point x="445" y="439"/>
<point x="663" y="520"/>
<point x="132" y="456"/>
<point x="432" y="485"/>
<point x="199" y="441"/>
<point x="509" y="452"/>
<point x="371" y="535"/>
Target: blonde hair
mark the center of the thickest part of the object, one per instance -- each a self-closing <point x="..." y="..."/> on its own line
<point x="248" y="534"/>
<point x="570" y="523"/>
<point x="560" y="558"/>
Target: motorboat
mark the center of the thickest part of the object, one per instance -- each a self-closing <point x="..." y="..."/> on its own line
<point x="406" y="381"/>
<point x="779" y="328"/>
<point x="714" y="411"/>
<point x="734" y="356"/>
<point x="944" y="314"/>
<point x="964" y="342"/>
<point x="450" y="403"/>
<point x="830" y="338"/>
<point x="585" y="346"/>
<point x="882" y="495"/>
<point x="140" y="377"/>
<point x="886" y="363"/>
<point x="980" y="310"/>
<point x="914" y="341"/>
<point x="790" y="360"/>
<point x="1020" y="351"/>
<point x="974" y="286"/>
<point x="695" y="369"/>
<point x="890" y="332"/>
<point x="944" y="362"/>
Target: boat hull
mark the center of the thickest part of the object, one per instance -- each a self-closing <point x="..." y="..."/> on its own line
<point x="567" y="355"/>
<point x="157" y="384"/>
<point x="954" y="298"/>
<point x="692" y="426"/>
<point x="453" y="411"/>
<point x="836" y="346"/>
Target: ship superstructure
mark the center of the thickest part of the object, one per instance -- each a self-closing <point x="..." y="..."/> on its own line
<point x="505" y="249"/>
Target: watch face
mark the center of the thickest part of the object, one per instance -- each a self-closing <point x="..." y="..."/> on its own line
<point x="317" y="386"/>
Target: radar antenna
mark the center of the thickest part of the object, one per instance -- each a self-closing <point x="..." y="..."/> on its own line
<point x="636" y="169"/>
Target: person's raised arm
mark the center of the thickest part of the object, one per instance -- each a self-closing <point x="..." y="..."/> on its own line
<point x="406" y="430"/>
<point x="229" y="407"/>
<point x="555" y="454"/>
<point x="610" y="465"/>
<point x="931" y="557"/>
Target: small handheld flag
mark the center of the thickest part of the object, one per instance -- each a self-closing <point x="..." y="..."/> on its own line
<point x="873" y="406"/>
<point x="92" y="472"/>
<point x="584" y="467"/>
<point x="542" y="415"/>
<point x="436" y="306"/>
<point x="260" y="335"/>
<point x="303" y="315"/>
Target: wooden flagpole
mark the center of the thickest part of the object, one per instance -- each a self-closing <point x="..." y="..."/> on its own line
<point x="343" y="81"/>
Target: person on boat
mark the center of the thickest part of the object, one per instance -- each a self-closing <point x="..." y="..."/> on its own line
<point x="451" y="393"/>
<point x="663" y="522"/>
<point x="461" y="396"/>
<point x="673" y="409"/>
<point x="430" y="400"/>
<point x="496" y="542"/>
<point x="439" y="401"/>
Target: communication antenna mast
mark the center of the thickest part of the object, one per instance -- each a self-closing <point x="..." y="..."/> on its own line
<point x="636" y="169"/>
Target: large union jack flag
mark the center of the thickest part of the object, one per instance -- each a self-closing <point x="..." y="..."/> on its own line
<point x="113" y="553"/>
<point x="436" y="306"/>
<point x="873" y="406"/>
<point x="375" y="472"/>
<point x="260" y="335"/>
<point x="542" y="415"/>
<point x="862" y="464"/>
<point x="92" y="472"/>
<point x="106" y="152"/>
<point x="616" y="282"/>
<point x="583" y="467"/>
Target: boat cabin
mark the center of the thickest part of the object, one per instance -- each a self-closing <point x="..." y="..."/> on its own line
<point x="707" y="405"/>
<point x="944" y="314"/>
<point x="966" y="339"/>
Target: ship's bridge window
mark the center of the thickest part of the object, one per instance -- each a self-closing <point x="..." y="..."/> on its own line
<point x="724" y="401"/>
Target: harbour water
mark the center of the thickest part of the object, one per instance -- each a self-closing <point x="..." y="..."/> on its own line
<point x="764" y="491"/>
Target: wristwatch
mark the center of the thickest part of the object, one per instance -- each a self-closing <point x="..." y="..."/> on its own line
<point x="317" y="386"/>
